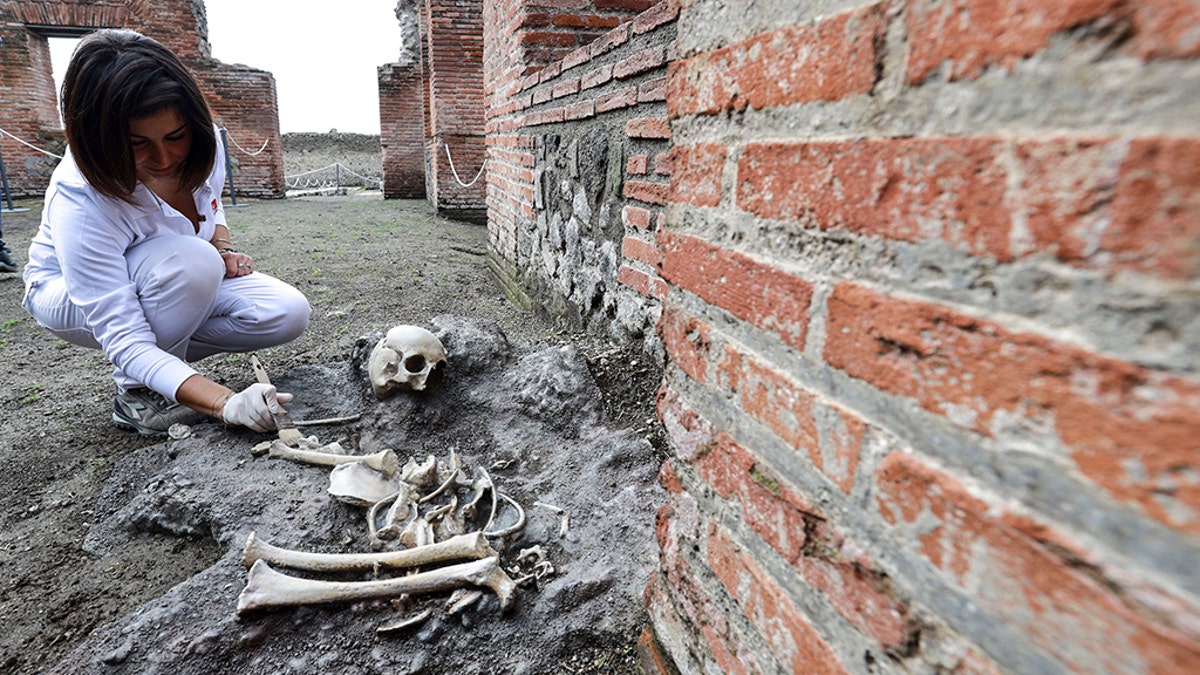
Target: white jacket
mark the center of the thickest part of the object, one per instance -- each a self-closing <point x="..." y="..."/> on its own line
<point x="83" y="238"/>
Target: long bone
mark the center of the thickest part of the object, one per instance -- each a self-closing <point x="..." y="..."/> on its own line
<point x="384" y="461"/>
<point x="472" y="546"/>
<point x="266" y="588"/>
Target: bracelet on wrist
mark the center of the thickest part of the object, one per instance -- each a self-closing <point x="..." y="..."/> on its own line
<point x="219" y="406"/>
<point x="226" y="249"/>
<point x="214" y="240"/>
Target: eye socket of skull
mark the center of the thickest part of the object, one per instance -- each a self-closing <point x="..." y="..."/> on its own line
<point x="414" y="363"/>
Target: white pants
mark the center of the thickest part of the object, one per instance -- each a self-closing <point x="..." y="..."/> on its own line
<point x="193" y="310"/>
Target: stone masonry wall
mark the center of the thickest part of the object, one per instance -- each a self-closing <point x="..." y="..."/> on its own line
<point x="578" y="177"/>
<point x="242" y="99"/>
<point x="928" y="278"/>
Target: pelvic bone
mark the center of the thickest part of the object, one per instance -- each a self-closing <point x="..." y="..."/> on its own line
<point x="267" y="588"/>
<point x="408" y="357"/>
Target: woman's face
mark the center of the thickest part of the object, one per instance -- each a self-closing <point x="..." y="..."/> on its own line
<point x="160" y="141"/>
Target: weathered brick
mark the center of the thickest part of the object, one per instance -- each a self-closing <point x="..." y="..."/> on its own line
<point x="646" y="284"/>
<point x="1115" y="204"/>
<point x="639" y="249"/>
<point x="697" y="173"/>
<point x="1130" y="430"/>
<point x="751" y="290"/>
<point x="648" y="127"/>
<point x="791" y="637"/>
<point x="645" y="60"/>
<point x="830" y="61"/>
<point x="791" y="412"/>
<point x="621" y="98"/>
<point x="644" y="191"/>
<point x="1058" y="606"/>
<point x="637" y="165"/>
<point x="580" y="110"/>
<point x="686" y="340"/>
<point x="636" y="216"/>
<point x="949" y="189"/>
<point x="971" y="35"/>
<point x="596" y="77"/>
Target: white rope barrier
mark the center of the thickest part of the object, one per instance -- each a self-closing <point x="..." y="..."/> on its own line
<point x="26" y="143"/>
<point x="239" y="147"/>
<point x="455" y="171"/>
<point x="302" y="181"/>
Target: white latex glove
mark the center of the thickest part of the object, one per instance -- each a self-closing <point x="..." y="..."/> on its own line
<point x="252" y="407"/>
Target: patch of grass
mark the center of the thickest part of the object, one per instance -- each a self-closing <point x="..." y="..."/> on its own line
<point x="34" y="392"/>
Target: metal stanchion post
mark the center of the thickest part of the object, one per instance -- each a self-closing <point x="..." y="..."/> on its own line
<point x="7" y="192"/>
<point x="229" y="168"/>
<point x="337" y="178"/>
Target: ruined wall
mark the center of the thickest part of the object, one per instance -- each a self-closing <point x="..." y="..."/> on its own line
<point x="929" y="277"/>
<point x="452" y="50"/>
<point x="402" y="132"/>
<point x="578" y="176"/>
<point x="242" y="99"/>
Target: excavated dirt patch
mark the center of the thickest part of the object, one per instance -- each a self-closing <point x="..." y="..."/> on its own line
<point x="83" y="573"/>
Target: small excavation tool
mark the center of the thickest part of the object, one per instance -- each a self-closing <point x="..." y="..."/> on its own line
<point x="288" y="433"/>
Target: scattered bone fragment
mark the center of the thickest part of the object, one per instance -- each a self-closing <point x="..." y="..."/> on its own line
<point x="450" y="481"/>
<point x="549" y="507"/>
<point x="516" y="526"/>
<point x="472" y="546"/>
<point x="267" y="588"/>
<point x="543" y="569"/>
<point x="501" y="464"/>
<point x="359" y="485"/>
<point x="418" y="532"/>
<point x="461" y="599"/>
<point x="384" y="461"/>
<point x="373" y="513"/>
<point x="479" y="487"/>
<point x="327" y="421"/>
<point x="179" y="431"/>
<point x="535" y="553"/>
<point x="397" y="626"/>
<point x="420" y="475"/>
<point x="564" y="526"/>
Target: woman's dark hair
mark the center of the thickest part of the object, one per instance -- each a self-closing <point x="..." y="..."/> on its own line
<point x="119" y="75"/>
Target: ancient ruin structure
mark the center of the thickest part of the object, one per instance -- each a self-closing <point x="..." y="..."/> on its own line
<point x="242" y="98"/>
<point x="924" y="277"/>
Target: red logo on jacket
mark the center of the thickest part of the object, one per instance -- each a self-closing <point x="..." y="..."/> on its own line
<point x="214" y="206"/>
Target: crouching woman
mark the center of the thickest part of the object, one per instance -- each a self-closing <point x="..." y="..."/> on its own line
<point x="134" y="256"/>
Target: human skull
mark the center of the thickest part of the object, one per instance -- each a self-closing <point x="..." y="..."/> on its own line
<point x="408" y="357"/>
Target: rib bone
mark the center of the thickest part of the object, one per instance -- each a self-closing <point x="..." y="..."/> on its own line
<point x="384" y="461"/>
<point x="266" y="588"/>
<point x="463" y="547"/>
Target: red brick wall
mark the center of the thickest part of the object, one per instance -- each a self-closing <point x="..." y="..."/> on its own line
<point x="931" y="383"/>
<point x="242" y="99"/>
<point x="402" y="130"/>
<point x="925" y="275"/>
<point x="452" y="50"/>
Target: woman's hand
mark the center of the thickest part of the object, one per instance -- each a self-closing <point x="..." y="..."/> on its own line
<point x="253" y="407"/>
<point x="237" y="264"/>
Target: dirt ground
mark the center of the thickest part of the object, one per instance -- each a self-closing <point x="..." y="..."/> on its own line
<point x="365" y="264"/>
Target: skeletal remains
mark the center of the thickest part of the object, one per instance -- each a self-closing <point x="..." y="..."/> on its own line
<point x="416" y="522"/>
